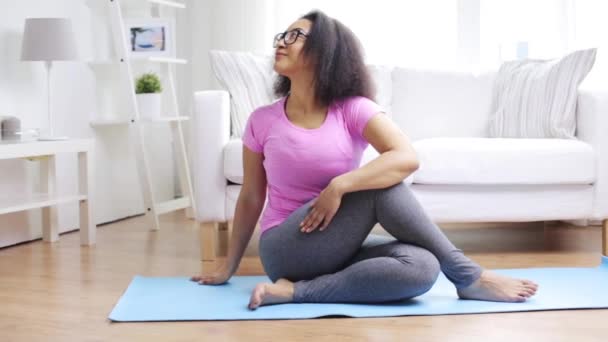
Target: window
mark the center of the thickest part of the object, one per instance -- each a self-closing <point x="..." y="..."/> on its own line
<point x="440" y="34"/>
<point x="519" y="28"/>
<point x="405" y="33"/>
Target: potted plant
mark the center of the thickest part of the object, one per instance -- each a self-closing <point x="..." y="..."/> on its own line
<point x="147" y="90"/>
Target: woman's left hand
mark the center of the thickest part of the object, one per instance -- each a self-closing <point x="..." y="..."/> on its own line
<point x="323" y="208"/>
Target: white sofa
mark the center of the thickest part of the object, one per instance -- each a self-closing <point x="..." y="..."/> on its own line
<point x="464" y="176"/>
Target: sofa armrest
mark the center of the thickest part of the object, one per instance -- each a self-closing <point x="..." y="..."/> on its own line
<point x="210" y="132"/>
<point x="592" y="128"/>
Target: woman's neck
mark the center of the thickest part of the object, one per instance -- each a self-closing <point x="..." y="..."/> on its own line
<point x="302" y="99"/>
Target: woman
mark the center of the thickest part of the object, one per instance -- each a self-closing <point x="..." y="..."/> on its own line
<point x="305" y="149"/>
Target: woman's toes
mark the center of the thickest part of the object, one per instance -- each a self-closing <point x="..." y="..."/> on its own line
<point x="532" y="287"/>
<point x="529" y="283"/>
<point x="528" y="291"/>
<point x="268" y="293"/>
<point x="256" y="297"/>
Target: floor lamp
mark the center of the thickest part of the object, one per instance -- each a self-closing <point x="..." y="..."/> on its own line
<point x="48" y="40"/>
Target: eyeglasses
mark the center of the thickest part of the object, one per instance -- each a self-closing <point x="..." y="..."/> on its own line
<point x="289" y="37"/>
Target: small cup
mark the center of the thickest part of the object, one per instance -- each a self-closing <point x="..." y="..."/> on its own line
<point x="10" y="128"/>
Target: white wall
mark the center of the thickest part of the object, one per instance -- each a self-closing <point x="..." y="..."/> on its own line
<point x="233" y="25"/>
<point x="75" y="101"/>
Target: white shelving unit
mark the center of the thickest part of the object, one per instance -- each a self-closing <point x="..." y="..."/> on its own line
<point x="134" y="119"/>
<point x="48" y="198"/>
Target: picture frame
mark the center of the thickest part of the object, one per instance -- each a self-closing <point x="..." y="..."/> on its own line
<point x="150" y="37"/>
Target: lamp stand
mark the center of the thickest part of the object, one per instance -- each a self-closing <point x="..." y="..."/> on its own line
<point x="49" y="136"/>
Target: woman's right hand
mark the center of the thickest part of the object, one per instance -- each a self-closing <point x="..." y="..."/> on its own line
<point x="220" y="276"/>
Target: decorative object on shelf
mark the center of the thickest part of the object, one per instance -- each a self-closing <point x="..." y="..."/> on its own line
<point x="10" y="128"/>
<point x="148" y="89"/>
<point x="149" y="37"/>
<point x="48" y="40"/>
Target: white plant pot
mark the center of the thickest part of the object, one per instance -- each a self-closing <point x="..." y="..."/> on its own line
<point x="149" y="105"/>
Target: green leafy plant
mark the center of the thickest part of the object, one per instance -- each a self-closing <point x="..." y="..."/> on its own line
<point x="148" y="83"/>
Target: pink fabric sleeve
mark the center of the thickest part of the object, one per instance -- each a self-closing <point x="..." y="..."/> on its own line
<point x="358" y="110"/>
<point x="251" y="138"/>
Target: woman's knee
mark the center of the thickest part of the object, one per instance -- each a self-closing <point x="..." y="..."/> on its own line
<point x="397" y="190"/>
<point x="275" y="271"/>
<point x="395" y="187"/>
<point x="429" y="269"/>
<point x="424" y="266"/>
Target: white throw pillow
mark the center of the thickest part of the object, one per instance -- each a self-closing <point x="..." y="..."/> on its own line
<point x="537" y="98"/>
<point x="248" y="78"/>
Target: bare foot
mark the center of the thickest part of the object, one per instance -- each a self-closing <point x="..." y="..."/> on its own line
<point x="268" y="293"/>
<point x="494" y="287"/>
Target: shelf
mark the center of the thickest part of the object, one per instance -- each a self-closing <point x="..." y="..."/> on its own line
<point x="114" y="122"/>
<point x="166" y="119"/>
<point x="101" y="62"/>
<point x="34" y="201"/>
<point x="123" y="67"/>
<point x="110" y="62"/>
<point x="33" y="148"/>
<point x="170" y="60"/>
<point x="172" y="205"/>
<point x="169" y="3"/>
<point x="109" y="122"/>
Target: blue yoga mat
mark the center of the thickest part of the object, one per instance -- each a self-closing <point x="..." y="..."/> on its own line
<point x="179" y="299"/>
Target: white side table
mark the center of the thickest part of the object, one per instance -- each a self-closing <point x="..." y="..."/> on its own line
<point x="49" y="198"/>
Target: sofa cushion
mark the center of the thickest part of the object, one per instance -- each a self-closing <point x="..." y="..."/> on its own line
<point x="504" y="161"/>
<point x="428" y="104"/>
<point x="233" y="161"/>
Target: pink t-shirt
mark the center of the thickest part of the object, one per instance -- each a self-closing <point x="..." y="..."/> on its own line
<point x="300" y="162"/>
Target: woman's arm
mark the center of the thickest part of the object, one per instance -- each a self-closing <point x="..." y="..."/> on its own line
<point x="397" y="159"/>
<point x="248" y="207"/>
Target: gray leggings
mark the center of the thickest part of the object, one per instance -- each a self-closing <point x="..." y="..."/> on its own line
<point x="345" y="264"/>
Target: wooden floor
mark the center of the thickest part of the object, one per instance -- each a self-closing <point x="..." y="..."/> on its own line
<point x="64" y="292"/>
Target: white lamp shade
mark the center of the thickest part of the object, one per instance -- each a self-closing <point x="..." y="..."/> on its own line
<point x="48" y="39"/>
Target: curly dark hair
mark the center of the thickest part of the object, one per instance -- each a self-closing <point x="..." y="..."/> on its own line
<point x="338" y="62"/>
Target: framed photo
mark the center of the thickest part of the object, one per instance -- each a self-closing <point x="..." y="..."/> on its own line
<point x="148" y="37"/>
